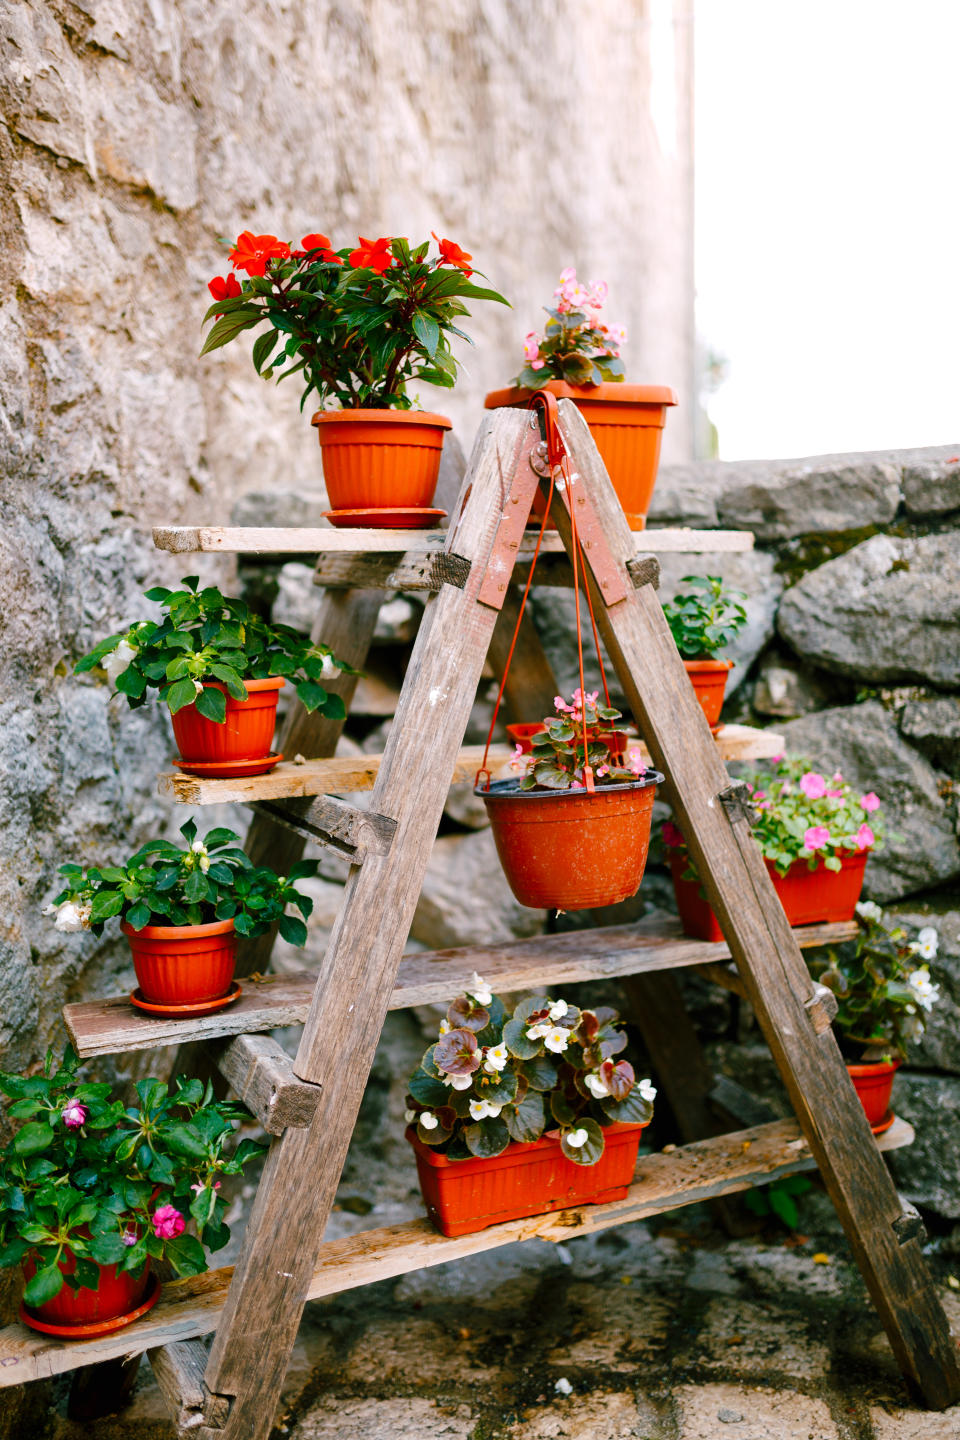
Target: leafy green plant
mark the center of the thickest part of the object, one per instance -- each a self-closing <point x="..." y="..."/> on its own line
<point x="358" y="324"/>
<point x="780" y="1198"/>
<point x="113" y="1184"/>
<point x="576" y="345"/>
<point x="193" y="884"/>
<point x="560" y="752"/>
<point x="706" y="618"/>
<point x="491" y="1078"/>
<point x="205" y="637"/>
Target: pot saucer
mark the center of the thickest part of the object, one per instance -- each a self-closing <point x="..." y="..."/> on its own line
<point x="198" y="1007"/>
<point x="229" y="769"/>
<point x="884" y="1124"/>
<point x="399" y="519"/>
<point x="95" y="1327"/>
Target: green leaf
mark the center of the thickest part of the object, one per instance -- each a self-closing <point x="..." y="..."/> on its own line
<point x="515" y="1039"/>
<point x="105" y="904"/>
<point x="262" y="347"/>
<point x="185" y="1254"/>
<point x="427" y="332"/>
<point x="588" y="1153"/>
<point x="526" y="1121"/>
<point x="131" y="682"/>
<point x="486" y="1138"/>
<point x="211" y="703"/>
<point x="139" y="915"/>
<point x="292" y="929"/>
<point x="44" y="1286"/>
<point x="428" y="1091"/>
<point x="181" y="694"/>
<point x="184" y="1140"/>
<point x="107" y="1249"/>
<point x="311" y="695"/>
<point x="226" y="329"/>
<point x="32" y="1138"/>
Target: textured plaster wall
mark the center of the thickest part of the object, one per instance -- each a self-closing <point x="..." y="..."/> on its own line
<point x="138" y="131"/>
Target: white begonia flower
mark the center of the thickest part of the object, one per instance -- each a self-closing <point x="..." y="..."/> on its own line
<point x="409" y="1116"/>
<point x="557" y="1040"/>
<point x="578" y="1137"/>
<point x="925" y="991"/>
<point x="479" y="990"/>
<point x="926" y="943"/>
<point x="537" y="1032"/>
<point x="428" y="1120"/>
<point x="596" y="1084"/>
<point x="495" y="1058"/>
<point x="72" y="917"/>
<point x="646" y="1091"/>
<point x="459" y="1082"/>
<point x="912" y="1026"/>
<point x="484" y="1110"/>
<point x="118" y="660"/>
<point x="869" y="910"/>
<point x="558" y="1009"/>
<point x="330" y="671"/>
<point x="445" y="1027"/>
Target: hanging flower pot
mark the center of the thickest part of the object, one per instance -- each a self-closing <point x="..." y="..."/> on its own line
<point x="380" y="461"/>
<point x="183" y="964"/>
<point x="709" y="680"/>
<point x="874" y="1085"/>
<point x="809" y="897"/>
<point x="240" y="745"/>
<point x="120" y="1297"/>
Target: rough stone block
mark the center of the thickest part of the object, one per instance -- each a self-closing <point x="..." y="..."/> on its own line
<point x="933" y="726"/>
<point x="756" y="1339"/>
<point x="714" y="1412"/>
<point x="593" y="1416"/>
<point x="465" y="898"/>
<point x="781" y="499"/>
<point x="915" y="1424"/>
<point x="401" y="1419"/>
<point x="932" y="487"/>
<point x="928" y="1171"/>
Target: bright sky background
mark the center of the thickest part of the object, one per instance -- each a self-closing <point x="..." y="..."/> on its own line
<point x="828" y="222"/>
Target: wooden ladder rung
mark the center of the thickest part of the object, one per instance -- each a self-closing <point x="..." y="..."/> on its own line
<point x="190" y="1308"/>
<point x="336" y="825"/>
<point x="178" y="1369"/>
<point x="419" y="570"/>
<point x="260" y="1072"/>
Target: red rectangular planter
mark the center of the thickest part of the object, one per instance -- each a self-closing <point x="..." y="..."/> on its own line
<point x="809" y="897"/>
<point x="462" y="1196"/>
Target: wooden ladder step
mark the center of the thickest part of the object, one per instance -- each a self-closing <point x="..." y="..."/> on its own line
<point x="190" y="1308"/>
<point x="260" y="1072"/>
<point x="109" y="1027"/>
<point x="348" y="831"/>
<point x="178" y="1369"/>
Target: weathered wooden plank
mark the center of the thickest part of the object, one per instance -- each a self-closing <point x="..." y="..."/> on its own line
<point x="726" y="975"/>
<point x="768" y="958"/>
<point x="392" y="570"/>
<point x="331" y="822"/>
<point x="260" y="1072"/>
<point x="178" y="1369"/>
<point x="189" y="1308"/>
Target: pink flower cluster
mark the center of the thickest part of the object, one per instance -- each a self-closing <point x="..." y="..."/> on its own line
<point x="575" y="711"/>
<point x="571" y="294"/>
<point x="168" y="1222"/>
<point x="74" y="1114"/>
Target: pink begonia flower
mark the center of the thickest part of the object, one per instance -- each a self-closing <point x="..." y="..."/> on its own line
<point x="537" y="364"/>
<point x="813" y="785"/>
<point x="869" y="802"/>
<point x="635" y="761"/>
<point x="777" y="759"/>
<point x="74" y="1114"/>
<point x="568" y="275"/>
<point x="837" y="778"/>
<point x="759" y="794"/>
<point x="865" y="837"/>
<point x="602" y="770"/>
<point x="672" y="834"/>
<point x="834" y="794"/>
<point x="599" y="291"/>
<point x="816" y="837"/>
<point x="198" y="1187"/>
<point x="531" y="346"/>
<point x="168" y="1222"/>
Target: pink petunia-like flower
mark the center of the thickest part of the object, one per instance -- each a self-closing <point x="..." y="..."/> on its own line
<point x="869" y="802"/>
<point x="168" y="1222"/>
<point x="865" y="837"/>
<point x="672" y="835"/>
<point x="74" y="1114"/>
<point x="834" y="794"/>
<point x="129" y="1236"/>
<point x="813" y="785"/>
<point x="816" y="837"/>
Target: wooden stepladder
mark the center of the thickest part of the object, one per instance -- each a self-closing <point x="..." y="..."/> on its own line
<point x="469" y="572"/>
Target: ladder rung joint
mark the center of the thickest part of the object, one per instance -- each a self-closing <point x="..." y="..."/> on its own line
<point x="261" y="1073"/>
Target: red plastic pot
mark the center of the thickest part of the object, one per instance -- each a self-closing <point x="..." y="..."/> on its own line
<point x="709" y="680"/>
<point x="626" y="422"/>
<point x="523" y="735"/>
<point x="809" y="897"/>
<point x="245" y="735"/>
<point x="183" y="964"/>
<point x="874" y="1084"/>
<point x="567" y="850"/>
<point x="380" y="459"/>
<point x="117" y="1294"/>
<point x="462" y="1196"/>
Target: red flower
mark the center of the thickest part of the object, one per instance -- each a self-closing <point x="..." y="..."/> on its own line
<point x="451" y="254"/>
<point x="372" y="255"/>
<point x="224" y="287"/>
<point x="321" y="243"/>
<point x="252" y="252"/>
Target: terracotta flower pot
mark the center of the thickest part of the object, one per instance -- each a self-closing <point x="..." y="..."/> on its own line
<point x="118" y="1293"/>
<point x="626" y="422"/>
<point x="183" y="964"/>
<point x="568" y="850"/>
<point x="524" y="735"/>
<point x="380" y="459"/>
<point x="462" y="1196"/>
<point x="874" y="1084"/>
<point x="709" y="680"/>
<point x="245" y="736"/>
<point x="809" y="897"/>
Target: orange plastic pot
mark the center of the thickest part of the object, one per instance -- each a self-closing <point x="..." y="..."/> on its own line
<point x="462" y="1196"/>
<point x="809" y="897"/>
<point x="567" y="850"/>
<point x="709" y="680"/>
<point x="246" y="733"/>
<point x="874" y="1084"/>
<point x="380" y="459"/>
<point x="183" y="964"/>
<point x="117" y="1293"/>
<point x="626" y="422"/>
<point x="523" y="735"/>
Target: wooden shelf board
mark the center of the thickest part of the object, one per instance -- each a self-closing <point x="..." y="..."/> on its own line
<point x="113" y="1026"/>
<point x="691" y="1173"/>
<point x="258" y="540"/>
<point x="343" y="775"/>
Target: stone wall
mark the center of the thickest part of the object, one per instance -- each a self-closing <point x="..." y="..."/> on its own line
<point x="137" y="134"/>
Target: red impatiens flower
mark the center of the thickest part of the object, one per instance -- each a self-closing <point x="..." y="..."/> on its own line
<point x="224" y="287"/>
<point x="451" y="254"/>
<point x="321" y="243"/>
<point x="372" y="255"/>
<point x="252" y="252"/>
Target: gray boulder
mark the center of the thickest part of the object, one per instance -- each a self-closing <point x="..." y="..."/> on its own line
<point x="465" y="898"/>
<point x="785" y="689"/>
<point x="928" y="1172"/>
<point x="932" y="486"/>
<point x="778" y="500"/>
<point x="863" y="742"/>
<point x="933" y="726"/>
<point x="887" y="611"/>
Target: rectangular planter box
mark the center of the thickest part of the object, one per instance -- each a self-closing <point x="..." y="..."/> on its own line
<point x="462" y="1196"/>
<point x="809" y="897"/>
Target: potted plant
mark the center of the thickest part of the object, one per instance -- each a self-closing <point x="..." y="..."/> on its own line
<point x="815" y="835"/>
<point x="219" y="668"/>
<point x="183" y="908"/>
<point x="572" y="830"/>
<point x="359" y="325"/>
<point x="577" y="357"/>
<point x="514" y="1115"/>
<point x="703" y="621"/>
<point x="883" y="988"/>
<point x="93" y="1191"/>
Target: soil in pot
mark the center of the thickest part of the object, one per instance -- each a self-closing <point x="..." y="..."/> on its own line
<point x="380" y="459"/>
<point x="567" y="850"/>
<point x="463" y="1196"/>
<point x="809" y="897"/>
<point x="709" y="680"/>
<point x="874" y="1085"/>
<point x="118" y="1293"/>
<point x="183" y="964"/>
<point x="245" y="736"/>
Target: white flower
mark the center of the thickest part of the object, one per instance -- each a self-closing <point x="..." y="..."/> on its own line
<point x="868" y="910"/>
<point x="118" y="660"/>
<point x="596" y="1084"/>
<point x="557" y="1039"/>
<point x="71" y="917"/>
<point x="537" y="1032"/>
<point x="647" y="1091"/>
<point x="445" y="1027"/>
<point x="576" y="1138"/>
<point x="459" y="1082"/>
<point x="558" y="1009"/>
<point x="198" y="688"/>
<point x="479" y="990"/>
<point x="926" y="942"/>
<point x="925" y="991"/>
<point x="330" y="671"/>
<point x="409" y="1116"/>
<point x="200" y="850"/>
<point x="483" y="1110"/>
<point x="428" y="1120"/>
<point x="912" y="1027"/>
<point x="495" y="1059"/>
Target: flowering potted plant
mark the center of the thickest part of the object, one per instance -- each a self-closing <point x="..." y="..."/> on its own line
<point x="182" y="908"/>
<point x="815" y="835"/>
<point x="219" y="668"/>
<point x="92" y="1191"/>
<point x="572" y="828"/>
<point x="883" y="988"/>
<point x="577" y="357"/>
<point x="702" y="622"/>
<point x="514" y="1115"/>
<point x="359" y="325"/>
